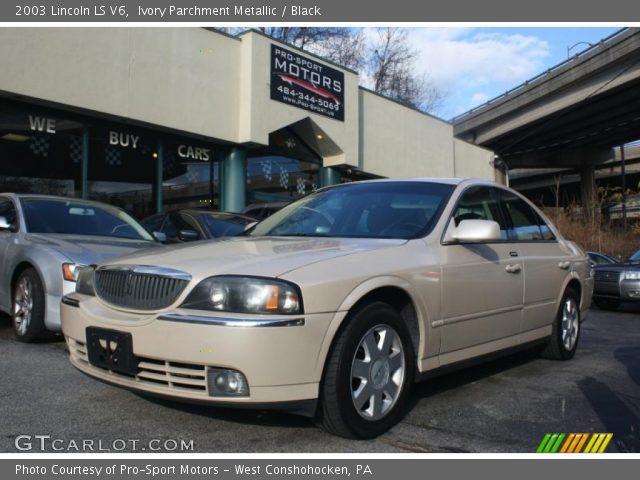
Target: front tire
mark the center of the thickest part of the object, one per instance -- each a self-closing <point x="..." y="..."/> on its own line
<point x="566" y="329"/>
<point x="28" y="307"/>
<point x="368" y="374"/>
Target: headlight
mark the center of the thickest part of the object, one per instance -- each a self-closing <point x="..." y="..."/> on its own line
<point x="632" y="275"/>
<point x="70" y="271"/>
<point x="84" y="284"/>
<point x="245" y="295"/>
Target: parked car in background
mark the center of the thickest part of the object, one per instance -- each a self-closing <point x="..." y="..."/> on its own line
<point x="44" y="241"/>
<point x="260" y="211"/>
<point x="598" y="258"/>
<point x="336" y="304"/>
<point x="617" y="283"/>
<point x="191" y="224"/>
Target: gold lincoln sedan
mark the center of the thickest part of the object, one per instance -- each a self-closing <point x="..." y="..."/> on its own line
<point x="335" y="305"/>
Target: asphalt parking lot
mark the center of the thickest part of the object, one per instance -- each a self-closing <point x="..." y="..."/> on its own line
<point x="506" y="405"/>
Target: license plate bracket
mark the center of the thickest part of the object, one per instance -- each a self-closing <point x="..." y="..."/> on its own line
<point x="111" y="350"/>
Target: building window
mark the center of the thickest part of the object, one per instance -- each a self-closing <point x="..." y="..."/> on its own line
<point x="288" y="169"/>
<point x="122" y="169"/>
<point x="40" y="152"/>
<point x="190" y="175"/>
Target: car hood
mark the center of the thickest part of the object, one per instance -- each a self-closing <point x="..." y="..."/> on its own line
<point x="88" y="249"/>
<point x="618" y="266"/>
<point x="261" y="256"/>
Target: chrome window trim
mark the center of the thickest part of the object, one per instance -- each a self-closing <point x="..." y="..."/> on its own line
<point x="150" y="270"/>
<point x="232" y="322"/>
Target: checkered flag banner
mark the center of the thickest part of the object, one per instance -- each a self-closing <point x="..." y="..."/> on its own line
<point x="112" y="156"/>
<point x="284" y="178"/>
<point x="39" y="144"/>
<point x="267" y="167"/>
<point x="75" y="149"/>
<point x="301" y="187"/>
<point x="192" y="174"/>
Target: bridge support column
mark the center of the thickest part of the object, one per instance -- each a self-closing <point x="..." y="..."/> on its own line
<point x="588" y="189"/>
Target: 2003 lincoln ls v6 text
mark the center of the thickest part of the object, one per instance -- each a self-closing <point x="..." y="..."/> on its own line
<point x="337" y="303"/>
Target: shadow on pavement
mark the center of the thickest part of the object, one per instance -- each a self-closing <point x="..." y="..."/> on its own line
<point x="617" y="417"/>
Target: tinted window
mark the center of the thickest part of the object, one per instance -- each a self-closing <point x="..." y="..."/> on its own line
<point x="8" y="211"/>
<point x="176" y="222"/>
<point x="154" y="223"/>
<point x="368" y="210"/>
<point x="525" y="223"/>
<point x="77" y="218"/>
<point x="480" y="203"/>
<point x="225" y="226"/>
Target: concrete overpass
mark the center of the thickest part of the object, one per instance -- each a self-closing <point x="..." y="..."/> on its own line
<point x="567" y="117"/>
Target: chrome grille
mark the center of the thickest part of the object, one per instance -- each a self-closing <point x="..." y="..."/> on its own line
<point x="607" y="276"/>
<point x="140" y="287"/>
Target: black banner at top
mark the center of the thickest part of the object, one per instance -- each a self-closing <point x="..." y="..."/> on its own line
<point x="302" y="82"/>
<point x="311" y="11"/>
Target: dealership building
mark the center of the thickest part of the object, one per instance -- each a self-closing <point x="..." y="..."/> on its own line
<point x="151" y="119"/>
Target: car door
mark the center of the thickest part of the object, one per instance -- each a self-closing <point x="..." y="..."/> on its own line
<point x="546" y="264"/>
<point x="8" y="211"/>
<point x="482" y="284"/>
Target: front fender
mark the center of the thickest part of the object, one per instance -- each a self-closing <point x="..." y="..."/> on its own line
<point x="359" y="292"/>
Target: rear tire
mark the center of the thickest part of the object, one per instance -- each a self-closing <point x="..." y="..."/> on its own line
<point x="566" y="329"/>
<point x="606" y="304"/>
<point x="28" y="308"/>
<point x="368" y="374"/>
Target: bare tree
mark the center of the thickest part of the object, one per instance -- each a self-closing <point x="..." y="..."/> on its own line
<point x="392" y="66"/>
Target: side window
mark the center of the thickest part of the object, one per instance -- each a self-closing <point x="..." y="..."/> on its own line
<point x="8" y="211"/>
<point x="173" y="224"/>
<point x="154" y="223"/>
<point x="547" y="234"/>
<point x="526" y="224"/>
<point x="480" y="203"/>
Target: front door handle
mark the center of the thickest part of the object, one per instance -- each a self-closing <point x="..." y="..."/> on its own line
<point x="513" y="268"/>
<point x="564" y="265"/>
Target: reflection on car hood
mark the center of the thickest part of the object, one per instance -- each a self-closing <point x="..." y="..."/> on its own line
<point x="262" y="256"/>
<point x="88" y="249"/>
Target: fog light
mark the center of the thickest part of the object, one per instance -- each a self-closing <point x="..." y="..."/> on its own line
<point x="227" y="383"/>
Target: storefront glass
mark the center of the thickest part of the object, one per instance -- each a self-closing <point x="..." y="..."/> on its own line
<point x="40" y="151"/>
<point x="190" y="176"/>
<point x="286" y="170"/>
<point x="122" y="169"/>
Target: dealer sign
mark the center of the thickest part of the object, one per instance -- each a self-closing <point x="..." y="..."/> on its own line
<point x="307" y="84"/>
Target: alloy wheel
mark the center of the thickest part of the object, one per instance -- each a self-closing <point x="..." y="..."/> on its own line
<point x="377" y="372"/>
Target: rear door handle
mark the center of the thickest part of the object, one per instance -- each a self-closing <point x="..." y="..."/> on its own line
<point x="513" y="268"/>
<point x="564" y="265"/>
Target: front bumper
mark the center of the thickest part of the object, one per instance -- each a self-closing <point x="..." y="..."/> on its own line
<point x="282" y="362"/>
<point x="623" y="290"/>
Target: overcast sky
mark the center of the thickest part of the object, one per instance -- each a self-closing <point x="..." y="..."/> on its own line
<point x="473" y="65"/>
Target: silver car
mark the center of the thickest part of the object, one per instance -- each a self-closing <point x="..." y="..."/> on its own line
<point x="43" y="242"/>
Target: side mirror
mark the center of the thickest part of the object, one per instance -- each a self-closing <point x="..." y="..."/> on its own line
<point x="160" y="237"/>
<point x="188" y="235"/>
<point x="4" y="224"/>
<point x="473" y="231"/>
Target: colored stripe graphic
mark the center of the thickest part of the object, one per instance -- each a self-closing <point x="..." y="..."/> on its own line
<point x="574" y="443"/>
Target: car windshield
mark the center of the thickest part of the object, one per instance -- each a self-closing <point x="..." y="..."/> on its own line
<point x="78" y="218"/>
<point x="367" y="210"/>
<point x="225" y="226"/>
<point x="635" y="258"/>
